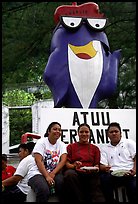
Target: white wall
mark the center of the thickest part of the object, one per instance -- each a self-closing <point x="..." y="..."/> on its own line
<point x="36" y="118"/>
<point x="5" y="130"/>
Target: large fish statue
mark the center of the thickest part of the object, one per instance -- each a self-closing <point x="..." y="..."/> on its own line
<point x="81" y="71"/>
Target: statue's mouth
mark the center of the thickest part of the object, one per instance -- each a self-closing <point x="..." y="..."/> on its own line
<point x="84" y="52"/>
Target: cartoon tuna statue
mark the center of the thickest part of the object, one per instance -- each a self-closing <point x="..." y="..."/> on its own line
<point x="81" y="71"/>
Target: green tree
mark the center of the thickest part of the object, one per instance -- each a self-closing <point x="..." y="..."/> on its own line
<point x="20" y="120"/>
<point x="18" y="98"/>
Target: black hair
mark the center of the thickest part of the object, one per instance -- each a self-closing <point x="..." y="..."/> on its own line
<point x="29" y="146"/>
<point x="50" y="126"/>
<point x="84" y="124"/>
<point x="4" y="157"/>
<point x="22" y="145"/>
<point x="114" y="124"/>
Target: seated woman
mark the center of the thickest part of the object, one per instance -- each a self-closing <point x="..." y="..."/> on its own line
<point x="81" y="177"/>
<point x="50" y="156"/>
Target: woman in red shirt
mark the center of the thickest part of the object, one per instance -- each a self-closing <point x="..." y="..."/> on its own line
<point x="7" y="170"/>
<point x="81" y="177"/>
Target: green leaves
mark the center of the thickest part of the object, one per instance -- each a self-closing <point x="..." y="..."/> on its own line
<point x="18" y="98"/>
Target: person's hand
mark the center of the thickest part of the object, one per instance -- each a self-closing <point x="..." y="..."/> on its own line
<point x="107" y="168"/>
<point x="131" y="172"/>
<point x="77" y="164"/>
<point x="50" y="180"/>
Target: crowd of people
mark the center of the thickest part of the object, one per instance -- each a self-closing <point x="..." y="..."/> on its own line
<point x="80" y="172"/>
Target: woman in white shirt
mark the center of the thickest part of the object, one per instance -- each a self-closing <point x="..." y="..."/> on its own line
<point x="50" y="155"/>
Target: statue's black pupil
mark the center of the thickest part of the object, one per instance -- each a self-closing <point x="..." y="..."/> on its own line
<point x="72" y="24"/>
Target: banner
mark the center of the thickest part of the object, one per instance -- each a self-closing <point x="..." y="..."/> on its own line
<point x="98" y="119"/>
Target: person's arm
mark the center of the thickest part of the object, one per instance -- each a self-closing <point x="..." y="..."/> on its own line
<point x="104" y="162"/>
<point x="41" y="167"/>
<point x="60" y="165"/>
<point x="19" y="174"/>
<point x="134" y="166"/>
<point x="74" y="165"/>
<point x="131" y="145"/>
<point x="13" y="180"/>
<point x="133" y="170"/>
<point x="40" y="164"/>
<point x="69" y="165"/>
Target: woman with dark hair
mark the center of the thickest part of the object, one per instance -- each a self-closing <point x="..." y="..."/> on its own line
<point x="81" y="177"/>
<point x="50" y="155"/>
<point x="15" y="188"/>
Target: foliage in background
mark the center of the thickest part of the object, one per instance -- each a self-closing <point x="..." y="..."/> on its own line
<point x="18" y="98"/>
<point x="27" y="29"/>
<point x="20" y="119"/>
<point x="121" y="32"/>
<point x="20" y="123"/>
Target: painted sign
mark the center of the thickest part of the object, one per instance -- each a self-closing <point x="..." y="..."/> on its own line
<point x="98" y="119"/>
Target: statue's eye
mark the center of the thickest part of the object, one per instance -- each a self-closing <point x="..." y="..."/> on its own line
<point x="97" y="24"/>
<point x="71" y="22"/>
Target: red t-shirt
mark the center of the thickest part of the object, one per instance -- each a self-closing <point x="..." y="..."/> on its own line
<point x="8" y="172"/>
<point x="88" y="154"/>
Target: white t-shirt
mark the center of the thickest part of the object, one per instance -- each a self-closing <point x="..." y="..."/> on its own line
<point x="22" y="169"/>
<point x="50" y="153"/>
<point x="120" y="156"/>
